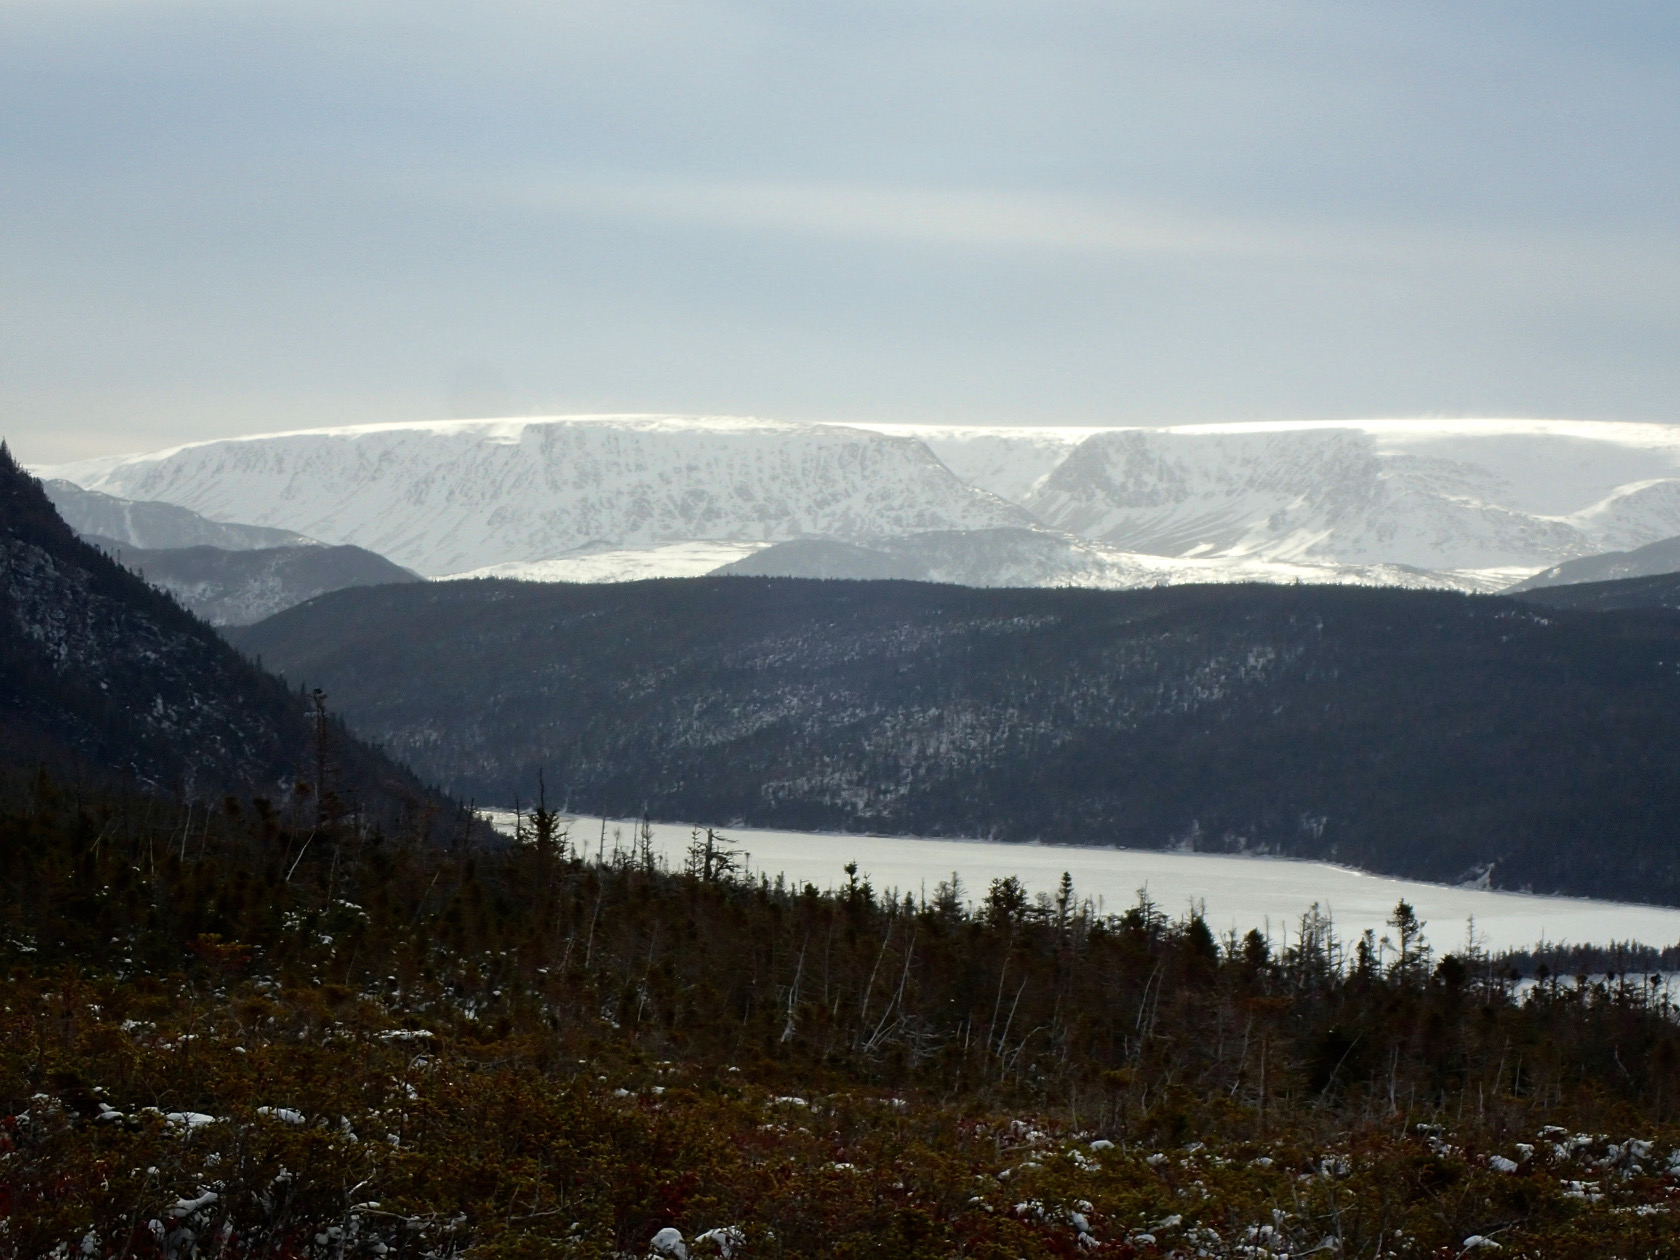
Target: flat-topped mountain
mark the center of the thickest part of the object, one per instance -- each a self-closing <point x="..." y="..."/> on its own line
<point x="1472" y="504"/>
<point x="455" y="496"/>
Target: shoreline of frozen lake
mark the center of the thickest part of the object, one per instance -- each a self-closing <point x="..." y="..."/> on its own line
<point x="1237" y="892"/>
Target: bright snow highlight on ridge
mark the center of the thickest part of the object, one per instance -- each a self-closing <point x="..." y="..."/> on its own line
<point x="1472" y="504"/>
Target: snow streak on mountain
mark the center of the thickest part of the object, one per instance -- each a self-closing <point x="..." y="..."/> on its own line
<point x="1475" y="504"/>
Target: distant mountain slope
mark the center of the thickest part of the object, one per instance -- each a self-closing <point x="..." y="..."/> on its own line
<point x="100" y="671"/>
<point x="1661" y="590"/>
<point x="1417" y="733"/>
<point x="235" y="588"/>
<point x="1046" y="557"/>
<point x="1364" y="494"/>
<point x="1483" y="503"/>
<point x="1436" y="494"/>
<point x="826" y="559"/>
<point x="1648" y="561"/>
<point x="1009" y="460"/>
<point x="148" y="524"/>
<point x="455" y="496"/>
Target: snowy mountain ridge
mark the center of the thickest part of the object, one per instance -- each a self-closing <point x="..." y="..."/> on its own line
<point x="1432" y="494"/>
<point x="1473" y="504"/>
<point x="457" y="496"/>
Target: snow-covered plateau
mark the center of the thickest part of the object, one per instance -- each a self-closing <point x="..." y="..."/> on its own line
<point x="1232" y="892"/>
<point x="1471" y="504"/>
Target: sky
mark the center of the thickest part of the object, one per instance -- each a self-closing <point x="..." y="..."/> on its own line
<point x="223" y="218"/>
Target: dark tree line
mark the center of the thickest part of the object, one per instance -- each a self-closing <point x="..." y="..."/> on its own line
<point x="264" y="1029"/>
<point x="1418" y="733"/>
<point x="1121" y="1018"/>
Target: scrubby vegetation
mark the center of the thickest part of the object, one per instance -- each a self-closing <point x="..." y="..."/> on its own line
<point x="257" y="1031"/>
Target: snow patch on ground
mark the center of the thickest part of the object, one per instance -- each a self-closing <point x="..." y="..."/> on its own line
<point x="674" y="560"/>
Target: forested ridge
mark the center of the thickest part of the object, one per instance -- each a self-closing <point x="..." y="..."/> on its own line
<point x="1426" y="734"/>
<point x="248" y="1034"/>
<point x="1660" y="590"/>
<point x="106" y="678"/>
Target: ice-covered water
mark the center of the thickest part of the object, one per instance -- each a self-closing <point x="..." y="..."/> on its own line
<point x="1236" y="893"/>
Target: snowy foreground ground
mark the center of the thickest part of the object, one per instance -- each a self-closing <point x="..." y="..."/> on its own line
<point x="1236" y="893"/>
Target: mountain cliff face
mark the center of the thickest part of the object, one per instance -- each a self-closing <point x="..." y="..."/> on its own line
<point x="1470" y="504"/>
<point x="100" y="672"/>
<point x="1356" y="496"/>
<point x="235" y="588"/>
<point x="450" y="497"/>
<point x="1419" y="733"/>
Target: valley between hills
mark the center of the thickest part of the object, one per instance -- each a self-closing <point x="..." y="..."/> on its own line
<point x="274" y="988"/>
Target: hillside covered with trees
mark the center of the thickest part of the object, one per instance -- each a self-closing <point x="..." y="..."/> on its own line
<point x="105" y="678"/>
<point x="1659" y="590"/>
<point x="1417" y="733"/>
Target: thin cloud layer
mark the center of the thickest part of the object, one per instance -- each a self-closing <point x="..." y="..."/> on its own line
<point x="226" y="218"/>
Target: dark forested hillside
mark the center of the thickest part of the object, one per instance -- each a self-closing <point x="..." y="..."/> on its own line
<point x="1420" y="733"/>
<point x="235" y="588"/>
<point x="1661" y="590"/>
<point x="150" y="524"/>
<point x="1652" y="560"/>
<point x="102" y="674"/>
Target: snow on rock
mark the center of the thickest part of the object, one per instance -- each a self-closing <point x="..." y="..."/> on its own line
<point x="726" y="1238"/>
<point x="669" y="1242"/>
<point x="186" y="1207"/>
<point x="188" y="1120"/>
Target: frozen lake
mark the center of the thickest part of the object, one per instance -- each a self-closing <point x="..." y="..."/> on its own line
<point x="1238" y="893"/>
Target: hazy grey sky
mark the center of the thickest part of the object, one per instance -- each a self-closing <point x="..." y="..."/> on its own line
<point x="224" y="217"/>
